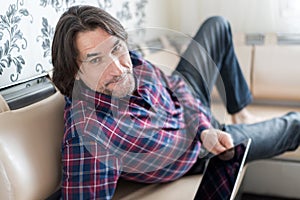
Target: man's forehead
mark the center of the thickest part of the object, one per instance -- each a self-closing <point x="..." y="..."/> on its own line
<point x="102" y="47"/>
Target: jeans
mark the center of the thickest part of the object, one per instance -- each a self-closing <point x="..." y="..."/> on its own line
<point x="269" y="138"/>
<point x="210" y="60"/>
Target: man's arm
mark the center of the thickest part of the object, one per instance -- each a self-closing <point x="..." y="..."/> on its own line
<point x="89" y="172"/>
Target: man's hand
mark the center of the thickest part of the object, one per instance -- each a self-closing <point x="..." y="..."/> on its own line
<point x="216" y="141"/>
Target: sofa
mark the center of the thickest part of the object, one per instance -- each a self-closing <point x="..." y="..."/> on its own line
<point x="30" y="137"/>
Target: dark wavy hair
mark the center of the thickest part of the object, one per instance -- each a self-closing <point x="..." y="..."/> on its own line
<point x="64" y="51"/>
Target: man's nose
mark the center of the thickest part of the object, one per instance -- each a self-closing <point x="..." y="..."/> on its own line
<point x="116" y="68"/>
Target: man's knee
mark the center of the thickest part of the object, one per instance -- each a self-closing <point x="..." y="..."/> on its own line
<point x="217" y="26"/>
<point x="294" y="118"/>
<point x="217" y="22"/>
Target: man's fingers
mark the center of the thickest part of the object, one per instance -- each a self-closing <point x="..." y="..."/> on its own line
<point x="225" y="139"/>
<point x="218" y="148"/>
<point x="216" y="141"/>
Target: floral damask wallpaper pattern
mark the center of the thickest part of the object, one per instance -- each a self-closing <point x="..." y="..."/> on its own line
<point x="12" y="46"/>
<point x="27" y="28"/>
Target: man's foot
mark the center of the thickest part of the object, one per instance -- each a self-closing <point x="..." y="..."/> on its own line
<point x="245" y="117"/>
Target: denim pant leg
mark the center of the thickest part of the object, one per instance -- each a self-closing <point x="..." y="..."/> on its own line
<point x="269" y="138"/>
<point x="210" y="59"/>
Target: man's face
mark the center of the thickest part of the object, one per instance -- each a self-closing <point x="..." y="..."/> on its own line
<point x="105" y="64"/>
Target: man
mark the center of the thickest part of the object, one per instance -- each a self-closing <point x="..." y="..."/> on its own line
<point x="125" y="118"/>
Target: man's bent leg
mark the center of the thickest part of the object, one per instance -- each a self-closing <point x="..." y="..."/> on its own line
<point x="210" y="58"/>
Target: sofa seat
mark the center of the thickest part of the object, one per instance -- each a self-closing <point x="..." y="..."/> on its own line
<point x="183" y="188"/>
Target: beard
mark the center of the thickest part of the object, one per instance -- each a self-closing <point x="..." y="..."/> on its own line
<point x="124" y="86"/>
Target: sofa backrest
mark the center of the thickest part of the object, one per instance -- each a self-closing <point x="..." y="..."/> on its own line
<point x="30" y="143"/>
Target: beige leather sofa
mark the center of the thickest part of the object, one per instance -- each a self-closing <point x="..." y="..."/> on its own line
<point x="30" y="140"/>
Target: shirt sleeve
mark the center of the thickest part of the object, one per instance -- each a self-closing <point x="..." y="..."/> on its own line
<point x="197" y="116"/>
<point x="89" y="171"/>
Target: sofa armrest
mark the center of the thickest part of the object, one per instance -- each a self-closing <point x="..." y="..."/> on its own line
<point x="3" y="105"/>
<point x="30" y="142"/>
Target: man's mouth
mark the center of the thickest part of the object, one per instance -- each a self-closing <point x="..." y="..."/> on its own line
<point x="117" y="79"/>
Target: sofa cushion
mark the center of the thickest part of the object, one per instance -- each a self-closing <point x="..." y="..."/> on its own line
<point x="275" y="75"/>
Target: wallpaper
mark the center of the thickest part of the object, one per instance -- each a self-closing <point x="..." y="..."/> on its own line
<point x="27" y="28"/>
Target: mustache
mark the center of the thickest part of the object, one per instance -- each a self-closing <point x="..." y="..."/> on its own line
<point x="119" y="78"/>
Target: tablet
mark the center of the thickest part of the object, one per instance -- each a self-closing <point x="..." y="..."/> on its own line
<point x="222" y="175"/>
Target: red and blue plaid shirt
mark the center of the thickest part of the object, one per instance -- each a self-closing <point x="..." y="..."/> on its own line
<point x="151" y="136"/>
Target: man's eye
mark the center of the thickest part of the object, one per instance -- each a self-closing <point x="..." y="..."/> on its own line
<point x="95" y="60"/>
<point x="117" y="48"/>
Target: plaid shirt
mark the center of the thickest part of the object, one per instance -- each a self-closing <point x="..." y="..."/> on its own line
<point x="151" y="136"/>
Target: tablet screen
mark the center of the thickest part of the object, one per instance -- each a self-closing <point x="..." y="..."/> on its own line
<point x="222" y="173"/>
